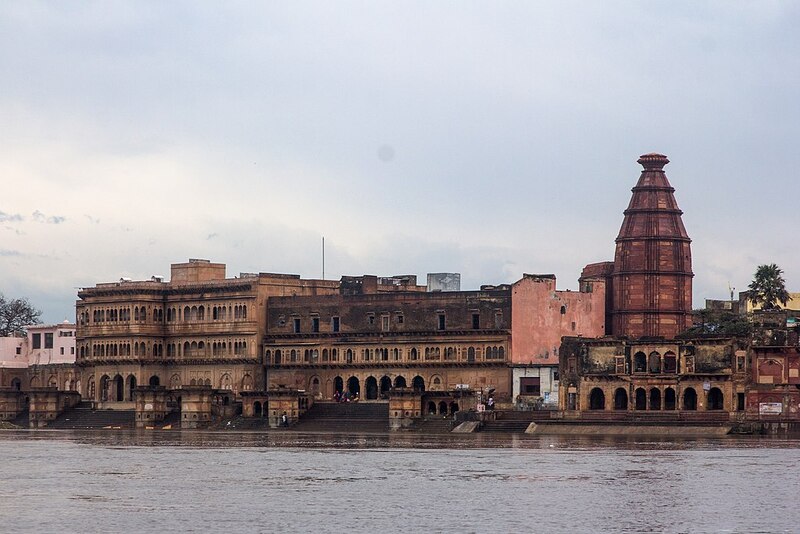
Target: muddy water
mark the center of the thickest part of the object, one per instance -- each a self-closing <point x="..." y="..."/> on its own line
<point x="285" y="482"/>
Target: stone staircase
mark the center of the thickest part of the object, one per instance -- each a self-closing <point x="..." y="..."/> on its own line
<point x="434" y="425"/>
<point x="83" y="417"/>
<point x="506" y="426"/>
<point x="345" y="417"/>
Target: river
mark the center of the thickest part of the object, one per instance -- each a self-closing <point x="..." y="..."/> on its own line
<point x="118" y="481"/>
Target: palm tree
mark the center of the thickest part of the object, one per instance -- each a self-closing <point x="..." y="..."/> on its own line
<point x="768" y="287"/>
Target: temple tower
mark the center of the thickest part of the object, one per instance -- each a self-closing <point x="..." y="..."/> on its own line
<point x="652" y="276"/>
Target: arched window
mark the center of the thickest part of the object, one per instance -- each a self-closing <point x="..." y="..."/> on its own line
<point x="715" y="399"/>
<point x="655" y="399"/>
<point x="247" y="383"/>
<point x="620" y="399"/>
<point x="641" y="399"/>
<point x="639" y="362"/>
<point x="225" y="381"/>
<point x="669" y="397"/>
<point x="597" y="399"/>
<point x="418" y="384"/>
<point x="689" y="399"/>
<point x="670" y="363"/>
<point x="655" y="362"/>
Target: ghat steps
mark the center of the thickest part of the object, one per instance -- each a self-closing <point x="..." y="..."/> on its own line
<point x="84" y="417"/>
<point x="345" y="417"/>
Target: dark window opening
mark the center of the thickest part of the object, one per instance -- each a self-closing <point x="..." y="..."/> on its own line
<point x="37" y="341"/>
<point x="441" y="321"/>
<point x="597" y="399"/>
<point x="315" y="324"/>
<point x="530" y="386"/>
<point x="48" y="340"/>
<point x="335" y="324"/>
<point x="296" y="323"/>
<point x="670" y="363"/>
<point x="639" y="362"/>
<point x="476" y="321"/>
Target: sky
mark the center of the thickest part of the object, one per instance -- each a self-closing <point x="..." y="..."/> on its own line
<point x="486" y="138"/>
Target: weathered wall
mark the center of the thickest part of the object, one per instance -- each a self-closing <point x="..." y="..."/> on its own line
<point x="541" y="316"/>
<point x="401" y="312"/>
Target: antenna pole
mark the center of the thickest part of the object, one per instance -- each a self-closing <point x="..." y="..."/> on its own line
<point x="323" y="257"/>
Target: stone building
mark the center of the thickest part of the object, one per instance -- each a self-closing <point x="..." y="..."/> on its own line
<point x="540" y="316"/>
<point x="774" y="393"/>
<point x="199" y="328"/>
<point x="43" y="357"/>
<point x="369" y="340"/>
<point x="642" y="366"/>
<point x="673" y="378"/>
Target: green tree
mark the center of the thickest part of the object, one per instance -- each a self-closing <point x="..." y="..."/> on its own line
<point x="768" y="288"/>
<point x="718" y="323"/>
<point x="15" y="315"/>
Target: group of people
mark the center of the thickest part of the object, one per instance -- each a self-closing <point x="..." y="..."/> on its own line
<point x="345" y="396"/>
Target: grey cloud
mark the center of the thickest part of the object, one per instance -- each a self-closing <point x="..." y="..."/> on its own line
<point x="515" y="128"/>
<point x="10" y="217"/>
<point x="40" y="217"/>
<point x="9" y="253"/>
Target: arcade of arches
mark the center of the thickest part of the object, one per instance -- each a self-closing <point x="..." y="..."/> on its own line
<point x="117" y="383"/>
<point x="698" y="396"/>
<point x="376" y="384"/>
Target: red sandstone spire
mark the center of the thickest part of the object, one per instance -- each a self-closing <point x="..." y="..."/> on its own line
<point x="652" y="277"/>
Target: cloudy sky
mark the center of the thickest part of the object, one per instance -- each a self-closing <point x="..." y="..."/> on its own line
<point x="486" y="138"/>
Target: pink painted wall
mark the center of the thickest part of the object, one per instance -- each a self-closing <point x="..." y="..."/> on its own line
<point x="537" y="324"/>
<point x="8" y="352"/>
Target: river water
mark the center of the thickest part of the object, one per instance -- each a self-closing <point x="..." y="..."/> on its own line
<point x="146" y="481"/>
